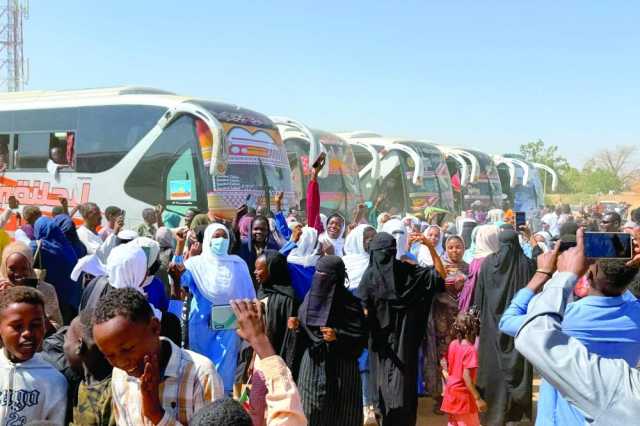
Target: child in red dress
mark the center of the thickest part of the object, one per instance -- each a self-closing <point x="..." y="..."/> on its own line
<point x="461" y="400"/>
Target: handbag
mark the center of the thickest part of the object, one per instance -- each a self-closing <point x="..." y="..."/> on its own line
<point x="41" y="273"/>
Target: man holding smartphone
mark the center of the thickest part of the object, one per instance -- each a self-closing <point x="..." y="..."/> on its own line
<point x="580" y="351"/>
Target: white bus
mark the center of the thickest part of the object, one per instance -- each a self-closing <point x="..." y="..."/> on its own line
<point x="135" y="148"/>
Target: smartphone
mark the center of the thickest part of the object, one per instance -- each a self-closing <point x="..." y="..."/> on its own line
<point x="27" y="282"/>
<point x="320" y="160"/>
<point x="521" y="220"/>
<point x="608" y="245"/>
<point x="223" y="318"/>
<point x="566" y="245"/>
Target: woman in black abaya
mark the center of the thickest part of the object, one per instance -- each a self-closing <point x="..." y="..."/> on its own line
<point x="333" y="325"/>
<point x="398" y="296"/>
<point x="504" y="376"/>
<point x="272" y="274"/>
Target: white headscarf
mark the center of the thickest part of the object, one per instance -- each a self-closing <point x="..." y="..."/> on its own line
<point x="545" y="246"/>
<point x="150" y="247"/>
<point x="487" y="241"/>
<point x="91" y="264"/>
<point x="337" y="243"/>
<point x="304" y="253"/>
<point x="220" y="278"/>
<point x="396" y="228"/>
<point x="127" y="267"/>
<point x="424" y="255"/>
<point x="355" y="258"/>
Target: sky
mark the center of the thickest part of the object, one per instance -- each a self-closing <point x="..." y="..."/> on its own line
<point x="484" y="74"/>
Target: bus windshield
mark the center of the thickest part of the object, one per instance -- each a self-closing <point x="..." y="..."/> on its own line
<point x="434" y="189"/>
<point x="342" y="184"/>
<point x="528" y="197"/>
<point x="486" y="187"/>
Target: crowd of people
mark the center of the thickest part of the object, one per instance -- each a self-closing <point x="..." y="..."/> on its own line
<point x="339" y="321"/>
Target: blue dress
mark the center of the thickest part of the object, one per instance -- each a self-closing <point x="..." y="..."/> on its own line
<point x="220" y="346"/>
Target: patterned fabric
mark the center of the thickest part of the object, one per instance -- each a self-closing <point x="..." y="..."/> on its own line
<point x="331" y="399"/>
<point x="94" y="405"/>
<point x="188" y="383"/>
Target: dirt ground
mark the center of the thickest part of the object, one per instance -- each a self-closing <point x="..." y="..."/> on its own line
<point x="427" y="418"/>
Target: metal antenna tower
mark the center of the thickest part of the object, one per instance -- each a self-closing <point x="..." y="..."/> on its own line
<point x="13" y="72"/>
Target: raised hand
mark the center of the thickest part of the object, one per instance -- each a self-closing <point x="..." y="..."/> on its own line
<point x="150" y="389"/>
<point x="574" y="260"/>
<point x="251" y="326"/>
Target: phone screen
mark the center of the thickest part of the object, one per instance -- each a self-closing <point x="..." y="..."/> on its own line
<point x="223" y="318"/>
<point x="28" y="282"/>
<point x="521" y="219"/>
<point x="611" y="245"/>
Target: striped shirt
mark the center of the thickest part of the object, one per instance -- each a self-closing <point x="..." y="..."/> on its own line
<point x="189" y="382"/>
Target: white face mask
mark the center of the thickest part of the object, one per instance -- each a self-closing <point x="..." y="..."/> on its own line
<point x="219" y="246"/>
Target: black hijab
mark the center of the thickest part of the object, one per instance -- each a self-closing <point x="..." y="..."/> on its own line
<point x="500" y="278"/>
<point x="328" y="303"/>
<point x="390" y="282"/>
<point x="279" y="281"/>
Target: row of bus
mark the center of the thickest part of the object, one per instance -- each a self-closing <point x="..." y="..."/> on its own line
<point x="138" y="147"/>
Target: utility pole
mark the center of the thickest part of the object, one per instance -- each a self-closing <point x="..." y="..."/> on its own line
<point x="13" y="72"/>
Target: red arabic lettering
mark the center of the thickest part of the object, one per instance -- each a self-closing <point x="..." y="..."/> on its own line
<point x="38" y="193"/>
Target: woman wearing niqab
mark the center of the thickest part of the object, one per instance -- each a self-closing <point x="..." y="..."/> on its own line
<point x="504" y="376"/>
<point x="398" y="296"/>
<point x="329" y="380"/>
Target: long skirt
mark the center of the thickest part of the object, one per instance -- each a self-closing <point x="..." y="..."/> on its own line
<point x="331" y="391"/>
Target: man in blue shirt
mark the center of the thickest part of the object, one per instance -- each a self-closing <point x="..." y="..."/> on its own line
<point x="607" y="322"/>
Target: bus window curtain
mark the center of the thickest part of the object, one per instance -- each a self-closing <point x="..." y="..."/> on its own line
<point x="71" y="138"/>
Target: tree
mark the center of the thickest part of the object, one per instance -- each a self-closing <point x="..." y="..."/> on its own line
<point x="621" y="161"/>
<point x="594" y="181"/>
<point x="538" y="152"/>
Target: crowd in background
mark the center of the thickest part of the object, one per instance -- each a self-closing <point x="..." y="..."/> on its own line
<point x="341" y="321"/>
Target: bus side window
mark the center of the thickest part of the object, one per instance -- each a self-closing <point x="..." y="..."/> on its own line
<point x="4" y="152"/>
<point x="31" y="150"/>
<point x="62" y="148"/>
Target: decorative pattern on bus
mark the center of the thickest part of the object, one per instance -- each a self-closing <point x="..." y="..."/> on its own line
<point x="248" y="147"/>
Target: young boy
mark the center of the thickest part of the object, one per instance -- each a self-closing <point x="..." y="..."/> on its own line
<point x="31" y="390"/>
<point x="153" y="381"/>
<point x="92" y="405"/>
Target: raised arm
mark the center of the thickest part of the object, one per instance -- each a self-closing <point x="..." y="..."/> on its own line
<point x="313" y="195"/>
<point x="598" y="387"/>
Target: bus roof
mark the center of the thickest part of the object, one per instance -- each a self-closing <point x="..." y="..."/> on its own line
<point x="134" y="95"/>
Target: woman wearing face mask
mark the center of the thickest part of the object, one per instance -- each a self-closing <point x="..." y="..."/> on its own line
<point x="442" y="316"/>
<point x="214" y="278"/>
<point x="17" y="269"/>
